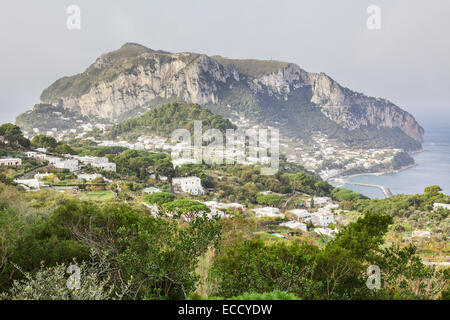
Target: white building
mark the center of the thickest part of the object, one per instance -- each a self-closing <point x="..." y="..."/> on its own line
<point x="72" y="164"/>
<point x="41" y="175"/>
<point x="300" y="213"/>
<point x="421" y="234"/>
<point x="36" y="155"/>
<point x="215" y="210"/>
<point x="110" y="166"/>
<point x="190" y="185"/>
<point x="31" y="183"/>
<point x="233" y="205"/>
<point x="294" y="225"/>
<point x="89" y="177"/>
<point x="218" y="207"/>
<point x="98" y="162"/>
<point x="326" y="231"/>
<point x="152" y="190"/>
<point x="323" y="218"/>
<point x="11" y="162"/>
<point x="322" y="201"/>
<point x="268" y="212"/>
<point x="439" y="206"/>
<point x="52" y="160"/>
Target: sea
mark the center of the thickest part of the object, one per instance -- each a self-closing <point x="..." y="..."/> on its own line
<point x="433" y="168"/>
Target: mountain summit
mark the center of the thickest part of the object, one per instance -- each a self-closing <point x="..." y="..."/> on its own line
<point x="272" y="93"/>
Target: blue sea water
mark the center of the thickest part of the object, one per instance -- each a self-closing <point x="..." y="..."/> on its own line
<point x="433" y="168"/>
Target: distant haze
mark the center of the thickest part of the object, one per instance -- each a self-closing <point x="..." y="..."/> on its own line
<point x="407" y="61"/>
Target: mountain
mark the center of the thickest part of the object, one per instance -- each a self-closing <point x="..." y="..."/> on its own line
<point x="123" y="83"/>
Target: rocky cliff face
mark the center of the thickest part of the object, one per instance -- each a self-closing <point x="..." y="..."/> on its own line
<point x="119" y="84"/>
<point x="353" y="110"/>
<point x="134" y="75"/>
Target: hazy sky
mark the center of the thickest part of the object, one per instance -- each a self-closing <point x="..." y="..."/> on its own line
<point x="406" y="61"/>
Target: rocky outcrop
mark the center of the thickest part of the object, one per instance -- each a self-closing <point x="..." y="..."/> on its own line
<point x="186" y="76"/>
<point x="134" y="75"/>
<point x="353" y="110"/>
<point x="281" y="82"/>
<point x="350" y="109"/>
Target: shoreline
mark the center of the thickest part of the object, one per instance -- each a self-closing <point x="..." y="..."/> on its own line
<point x="376" y="173"/>
<point x="382" y="187"/>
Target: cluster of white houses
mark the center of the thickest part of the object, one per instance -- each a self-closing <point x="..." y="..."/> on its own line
<point x="441" y="206"/>
<point x="72" y="163"/>
<point x="69" y="162"/>
<point x="218" y="208"/>
<point x="57" y="162"/>
<point x="97" y="162"/>
<point x="321" y="218"/>
<point x="192" y="185"/>
<point x="39" y="180"/>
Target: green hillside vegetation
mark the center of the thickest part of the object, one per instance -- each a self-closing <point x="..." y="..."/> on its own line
<point x="413" y="211"/>
<point x="50" y="143"/>
<point x="125" y="253"/>
<point x="137" y="163"/>
<point x="166" y="118"/>
<point x="404" y="205"/>
<point x="299" y="117"/>
<point x="410" y="213"/>
<point x="13" y="139"/>
<point x="42" y="116"/>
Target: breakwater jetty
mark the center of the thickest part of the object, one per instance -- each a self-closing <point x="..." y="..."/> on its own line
<point x="386" y="191"/>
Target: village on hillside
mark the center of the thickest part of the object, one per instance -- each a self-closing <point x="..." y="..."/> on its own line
<point x="90" y="178"/>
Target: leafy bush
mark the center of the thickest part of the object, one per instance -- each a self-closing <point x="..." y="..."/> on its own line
<point x="53" y="283"/>
<point x="159" y="198"/>
<point x="272" y="200"/>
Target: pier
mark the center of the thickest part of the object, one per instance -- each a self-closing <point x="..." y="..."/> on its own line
<point x="386" y="191"/>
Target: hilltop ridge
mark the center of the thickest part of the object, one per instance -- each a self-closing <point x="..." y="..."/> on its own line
<point x="122" y="82"/>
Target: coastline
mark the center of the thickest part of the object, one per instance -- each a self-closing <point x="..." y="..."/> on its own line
<point x="344" y="178"/>
<point x="375" y="173"/>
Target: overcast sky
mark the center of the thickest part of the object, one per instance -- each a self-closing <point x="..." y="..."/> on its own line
<point x="406" y="61"/>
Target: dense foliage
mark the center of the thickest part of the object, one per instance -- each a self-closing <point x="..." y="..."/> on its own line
<point x="13" y="136"/>
<point x="152" y="257"/>
<point x="126" y="253"/>
<point x="137" y="163"/>
<point x="337" y="271"/>
<point x="159" y="198"/>
<point x="166" y="118"/>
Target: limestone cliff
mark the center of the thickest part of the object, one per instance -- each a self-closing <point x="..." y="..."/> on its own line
<point x="133" y="76"/>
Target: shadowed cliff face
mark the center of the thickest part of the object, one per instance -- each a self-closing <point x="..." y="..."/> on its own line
<point x="353" y="110"/>
<point x="133" y="76"/>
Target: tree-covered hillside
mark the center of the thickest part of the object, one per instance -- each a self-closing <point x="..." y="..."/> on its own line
<point x="166" y="118"/>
